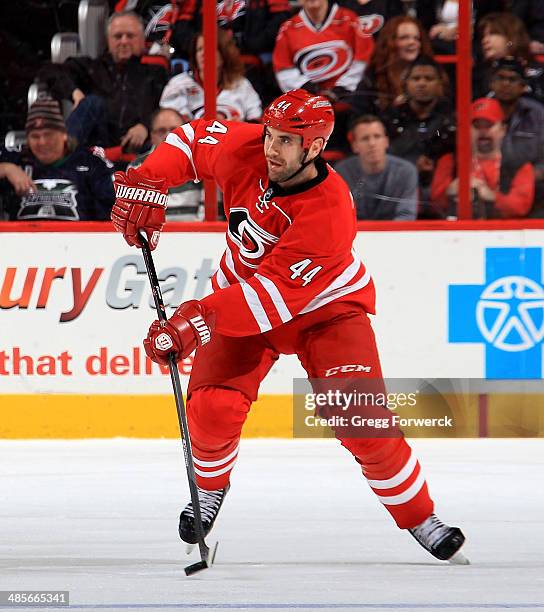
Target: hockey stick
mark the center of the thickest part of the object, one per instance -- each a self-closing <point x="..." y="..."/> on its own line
<point x="206" y="560"/>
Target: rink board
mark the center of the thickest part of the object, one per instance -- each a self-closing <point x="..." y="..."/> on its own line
<point x="75" y="306"/>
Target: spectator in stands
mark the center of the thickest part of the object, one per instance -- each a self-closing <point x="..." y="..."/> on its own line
<point x="531" y="12"/>
<point x="54" y="179"/>
<point x="383" y="186"/>
<point x="504" y="35"/>
<point x="253" y="24"/>
<point x="440" y="19"/>
<point x="114" y="95"/>
<point x="524" y="117"/>
<point x="501" y="187"/>
<point x="322" y="49"/>
<point x="236" y="99"/>
<point x="400" y="42"/>
<point x="374" y="13"/>
<point x="422" y="129"/>
<point x="184" y="201"/>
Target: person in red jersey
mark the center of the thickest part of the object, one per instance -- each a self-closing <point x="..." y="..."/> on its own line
<point x="289" y="282"/>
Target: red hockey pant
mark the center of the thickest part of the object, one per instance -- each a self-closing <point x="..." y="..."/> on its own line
<point x="225" y="380"/>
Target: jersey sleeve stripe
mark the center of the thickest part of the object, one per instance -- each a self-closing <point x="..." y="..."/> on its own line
<point x="337" y="293"/>
<point x="276" y="297"/>
<point x="254" y="304"/>
<point x="221" y="279"/>
<point x="339" y="287"/>
<point x="230" y="265"/>
<point x="189" y="132"/>
<point x="176" y="141"/>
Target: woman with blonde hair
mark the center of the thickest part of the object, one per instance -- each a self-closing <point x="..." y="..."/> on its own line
<point x="236" y="98"/>
<point x="400" y="42"/>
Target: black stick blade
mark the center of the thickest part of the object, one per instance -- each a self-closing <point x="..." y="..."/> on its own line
<point x="196" y="567"/>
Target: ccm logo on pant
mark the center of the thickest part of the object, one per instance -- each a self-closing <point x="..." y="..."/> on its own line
<point x="141" y="195"/>
<point x="202" y="329"/>
<point x="355" y="367"/>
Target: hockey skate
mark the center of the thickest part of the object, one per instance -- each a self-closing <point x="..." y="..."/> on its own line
<point x="442" y="541"/>
<point x="210" y="503"/>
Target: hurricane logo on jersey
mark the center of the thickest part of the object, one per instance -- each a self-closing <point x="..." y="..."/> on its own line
<point x="370" y="24"/>
<point x="324" y="61"/>
<point x="251" y="239"/>
<point x="229" y="10"/>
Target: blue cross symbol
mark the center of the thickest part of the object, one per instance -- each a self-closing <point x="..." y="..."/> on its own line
<point x="506" y="313"/>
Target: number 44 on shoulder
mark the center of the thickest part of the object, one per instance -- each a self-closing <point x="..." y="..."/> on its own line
<point x="214" y="128"/>
<point x="298" y="268"/>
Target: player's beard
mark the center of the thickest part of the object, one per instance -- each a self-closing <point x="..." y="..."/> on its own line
<point x="283" y="172"/>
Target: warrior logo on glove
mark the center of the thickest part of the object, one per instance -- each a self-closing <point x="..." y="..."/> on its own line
<point x="202" y="329"/>
<point x="163" y="342"/>
<point x="139" y="207"/>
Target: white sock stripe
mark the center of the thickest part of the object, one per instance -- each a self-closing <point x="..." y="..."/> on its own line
<point x="402" y="498"/>
<point x="217" y="463"/>
<point x="276" y="297"/>
<point x="223" y="470"/>
<point x="398" y="478"/>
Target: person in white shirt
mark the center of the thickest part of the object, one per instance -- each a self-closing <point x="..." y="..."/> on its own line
<point x="236" y="98"/>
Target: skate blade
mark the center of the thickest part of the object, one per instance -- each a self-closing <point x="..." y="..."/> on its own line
<point x="458" y="559"/>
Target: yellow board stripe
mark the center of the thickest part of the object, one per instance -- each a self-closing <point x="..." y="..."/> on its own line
<point x="137" y="416"/>
<point x="154" y="416"/>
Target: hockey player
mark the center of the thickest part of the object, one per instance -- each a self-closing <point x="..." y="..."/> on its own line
<point x="288" y="282"/>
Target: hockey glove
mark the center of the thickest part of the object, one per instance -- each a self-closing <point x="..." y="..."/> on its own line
<point x="140" y="205"/>
<point x="190" y="326"/>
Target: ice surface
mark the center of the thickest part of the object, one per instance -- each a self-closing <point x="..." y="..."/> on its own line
<point x="300" y="529"/>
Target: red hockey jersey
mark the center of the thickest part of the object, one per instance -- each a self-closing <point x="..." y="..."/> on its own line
<point x="288" y="251"/>
<point x="334" y="54"/>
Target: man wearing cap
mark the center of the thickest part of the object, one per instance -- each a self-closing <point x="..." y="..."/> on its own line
<point x="501" y="187"/>
<point x="52" y="178"/>
<point x="524" y="117"/>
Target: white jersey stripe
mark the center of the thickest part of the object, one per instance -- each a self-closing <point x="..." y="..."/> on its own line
<point x="402" y="498"/>
<point x="189" y="132"/>
<point x="256" y="307"/>
<point x="398" y="478"/>
<point x="275" y="294"/>
<point x="339" y="287"/>
<point x="315" y="304"/>
<point x="217" y="463"/>
<point x="221" y="279"/>
<point x="176" y="141"/>
<point x="223" y="470"/>
<point x="230" y="265"/>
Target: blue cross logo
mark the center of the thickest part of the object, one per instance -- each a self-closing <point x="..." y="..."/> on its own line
<point x="506" y="313"/>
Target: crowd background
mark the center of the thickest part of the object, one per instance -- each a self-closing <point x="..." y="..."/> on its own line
<point x="382" y="63"/>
